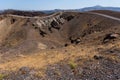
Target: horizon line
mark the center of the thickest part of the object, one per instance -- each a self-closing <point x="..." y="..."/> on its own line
<point x="56" y="8"/>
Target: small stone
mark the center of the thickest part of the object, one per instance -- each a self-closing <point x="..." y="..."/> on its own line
<point x="24" y="70"/>
<point x="98" y="57"/>
<point x="66" y="45"/>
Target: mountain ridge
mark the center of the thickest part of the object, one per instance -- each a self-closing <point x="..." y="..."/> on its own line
<point x="97" y="7"/>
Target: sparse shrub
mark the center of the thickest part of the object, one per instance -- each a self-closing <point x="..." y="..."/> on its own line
<point x="72" y="65"/>
<point x="114" y="58"/>
<point x="39" y="74"/>
<point x="2" y="76"/>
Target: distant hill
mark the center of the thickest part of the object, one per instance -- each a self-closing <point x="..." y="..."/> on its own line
<point x="97" y="7"/>
<point x="23" y="13"/>
<point x="1" y="11"/>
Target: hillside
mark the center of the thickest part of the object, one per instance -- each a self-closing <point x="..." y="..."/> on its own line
<point x="60" y="46"/>
<point x="107" y="12"/>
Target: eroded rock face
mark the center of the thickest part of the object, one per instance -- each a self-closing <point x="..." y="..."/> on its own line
<point x="51" y="22"/>
<point x="31" y="32"/>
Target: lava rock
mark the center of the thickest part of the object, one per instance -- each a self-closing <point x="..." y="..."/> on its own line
<point x="111" y="36"/>
<point x="66" y="45"/>
<point x="75" y="41"/>
<point x="98" y="57"/>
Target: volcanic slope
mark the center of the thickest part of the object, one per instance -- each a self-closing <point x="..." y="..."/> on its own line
<point x="53" y="31"/>
<point x="71" y="40"/>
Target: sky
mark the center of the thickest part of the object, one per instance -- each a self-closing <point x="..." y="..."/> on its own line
<point x="54" y="4"/>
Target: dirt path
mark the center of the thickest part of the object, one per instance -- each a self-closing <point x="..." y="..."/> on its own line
<point x="107" y="16"/>
<point x="55" y="14"/>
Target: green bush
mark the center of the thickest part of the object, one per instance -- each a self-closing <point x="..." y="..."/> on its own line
<point x="2" y="76"/>
<point x="72" y="65"/>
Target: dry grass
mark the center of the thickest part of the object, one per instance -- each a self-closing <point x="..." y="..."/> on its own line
<point x="42" y="59"/>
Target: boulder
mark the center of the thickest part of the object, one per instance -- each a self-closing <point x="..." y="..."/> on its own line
<point x="111" y="36"/>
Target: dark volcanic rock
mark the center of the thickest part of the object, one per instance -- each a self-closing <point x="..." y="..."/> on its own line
<point x="98" y="57"/>
<point x="109" y="37"/>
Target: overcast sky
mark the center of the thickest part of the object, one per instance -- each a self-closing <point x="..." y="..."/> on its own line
<point x="54" y="4"/>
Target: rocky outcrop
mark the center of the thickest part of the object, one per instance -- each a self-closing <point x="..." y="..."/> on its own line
<point x="51" y="22"/>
